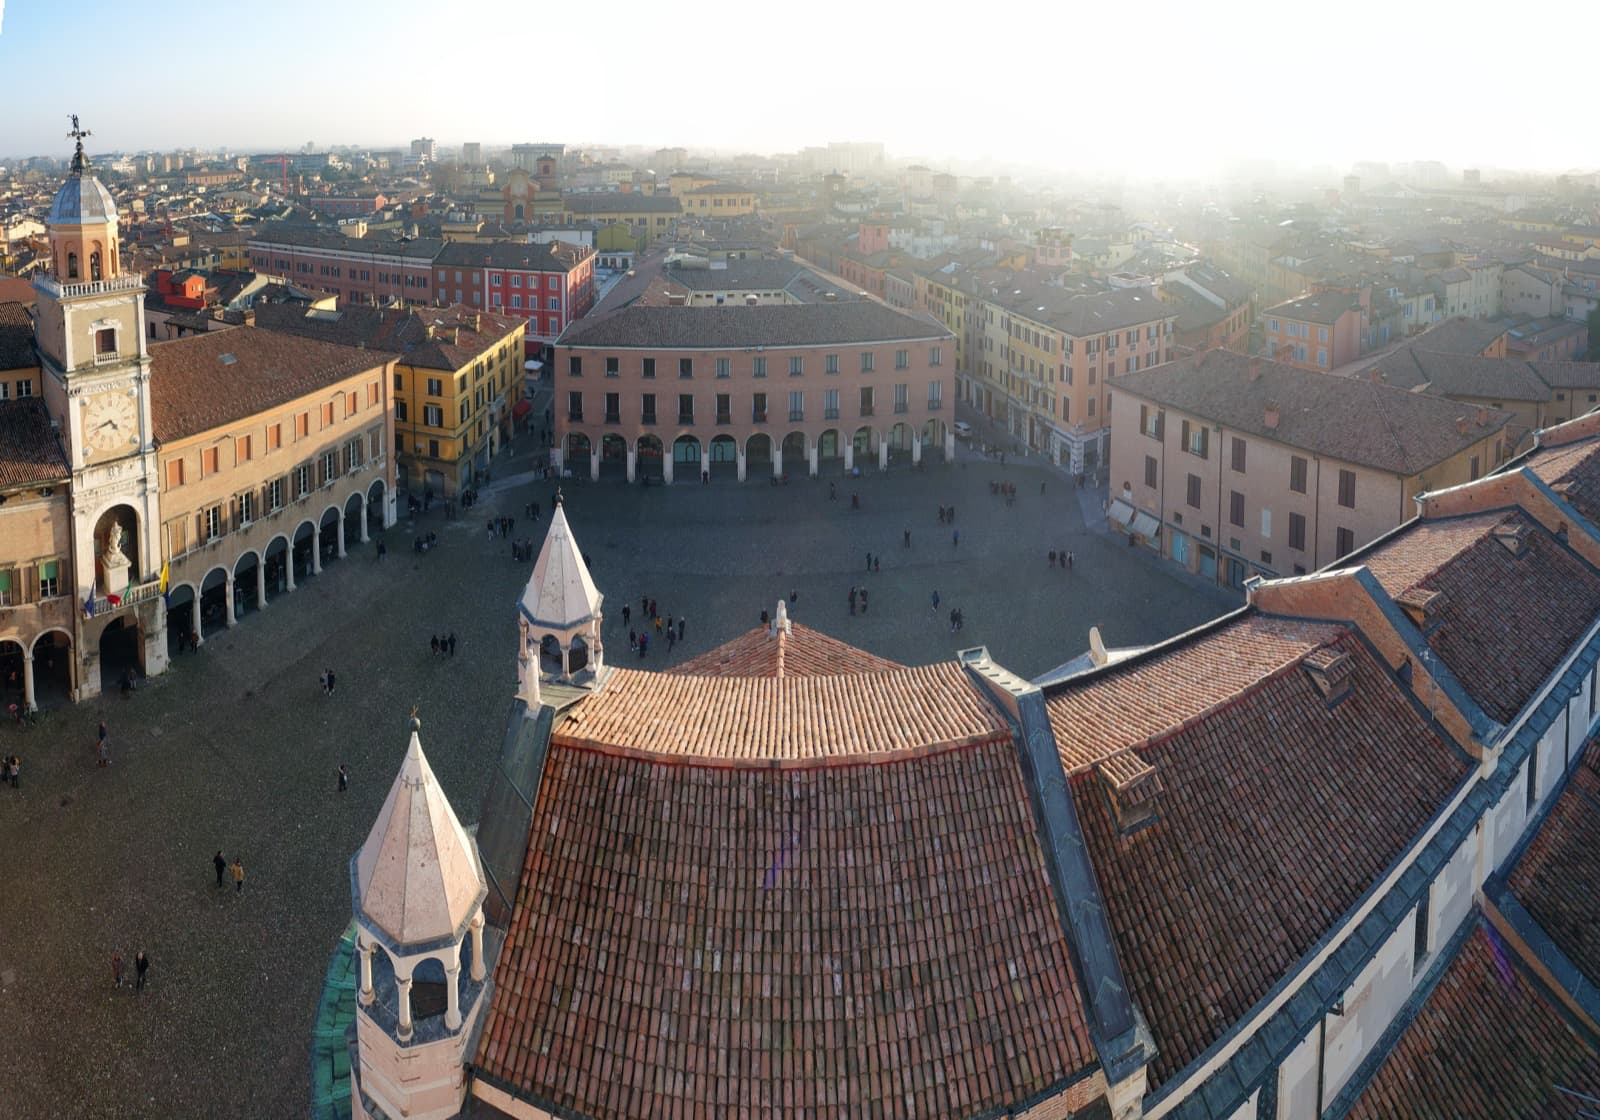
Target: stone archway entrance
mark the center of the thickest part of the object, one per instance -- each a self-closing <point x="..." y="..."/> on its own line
<point x="52" y="669"/>
<point x="214" y="602"/>
<point x="121" y="651"/>
<point x="180" y="617"/>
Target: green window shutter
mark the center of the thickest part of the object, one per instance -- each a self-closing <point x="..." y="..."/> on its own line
<point x="5" y="581"/>
<point x="49" y="569"/>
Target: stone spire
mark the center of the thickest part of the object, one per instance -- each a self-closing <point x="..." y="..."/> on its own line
<point x="560" y="596"/>
<point x="417" y="879"/>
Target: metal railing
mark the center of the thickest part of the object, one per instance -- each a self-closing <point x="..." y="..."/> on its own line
<point x="139" y="593"/>
<point x="88" y="287"/>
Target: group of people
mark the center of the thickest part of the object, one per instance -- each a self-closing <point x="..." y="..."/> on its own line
<point x="671" y="629"/>
<point x="1006" y="490"/>
<point x="858" y="596"/>
<point x="421" y="544"/>
<point x="1062" y="558"/>
<point x="445" y="646"/>
<point x="500" y="526"/>
<point x="141" y="965"/>
<point x="236" y="870"/>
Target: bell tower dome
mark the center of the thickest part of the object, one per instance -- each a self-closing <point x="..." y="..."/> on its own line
<point x="83" y="224"/>
<point x="558" y="618"/>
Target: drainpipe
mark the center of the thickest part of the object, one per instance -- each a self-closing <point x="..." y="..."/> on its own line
<point x="1316" y="517"/>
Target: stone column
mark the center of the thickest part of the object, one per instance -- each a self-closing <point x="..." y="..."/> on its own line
<point x="949" y="445"/>
<point x="739" y="452"/>
<point x="288" y="567"/>
<point x="850" y="454"/>
<point x="883" y="452"/>
<point x="364" y="514"/>
<point x="364" y="951"/>
<point x="777" y="460"/>
<point x="633" y="463"/>
<point x="666" y="464"/>
<point x="338" y="530"/>
<point x="478" y="967"/>
<point x="402" y="987"/>
<point x="452" y="989"/>
<point x="227" y="598"/>
<point x="811" y="459"/>
<point x="566" y="649"/>
<point x="316" y="549"/>
<point x="594" y="464"/>
<point x="27" y="682"/>
<point x="261" y="584"/>
<point x="916" y="448"/>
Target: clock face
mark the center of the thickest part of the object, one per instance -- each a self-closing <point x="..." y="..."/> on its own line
<point x="110" y="421"/>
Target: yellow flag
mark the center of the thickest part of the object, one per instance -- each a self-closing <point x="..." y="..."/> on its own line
<point x="163" y="577"/>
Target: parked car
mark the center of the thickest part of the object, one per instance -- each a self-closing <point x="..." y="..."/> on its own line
<point x="963" y="431"/>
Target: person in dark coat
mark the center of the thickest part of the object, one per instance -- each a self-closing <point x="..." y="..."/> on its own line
<point x="220" y="864"/>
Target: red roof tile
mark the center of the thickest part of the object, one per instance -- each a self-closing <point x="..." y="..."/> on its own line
<point x="30" y="452"/>
<point x="1558" y="879"/>
<point x="1504" y="622"/>
<point x="1096" y="716"/>
<point x="1276" y="813"/>
<point x="1487" y="1045"/>
<point x="797" y="652"/>
<point x="840" y="942"/>
<point x="806" y="721"/>
<point x="1573" y="471"/>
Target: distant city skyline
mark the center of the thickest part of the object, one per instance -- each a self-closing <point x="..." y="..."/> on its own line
<point x="1170" y="90"/>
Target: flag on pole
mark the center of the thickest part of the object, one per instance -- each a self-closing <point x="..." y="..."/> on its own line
<point x="163" y="577"/>
<point x="88" y="604"/>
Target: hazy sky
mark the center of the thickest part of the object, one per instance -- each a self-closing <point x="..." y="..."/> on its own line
<point x="1145" y="87"/>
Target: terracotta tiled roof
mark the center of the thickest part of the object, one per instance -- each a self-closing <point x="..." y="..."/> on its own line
<point x="797" y="652"/>
<point x="1573" y="471"/>
<point x="194" y="387"/>
<point x="1505" y="621"/>
<point x="1096" y="716"/>
<point x="1277" y="812"/>
<point x="16" y="337"/>
<point x="459" y="334"/>
<point x="842" y="942"/>
<point x="1558" y="878"/>
<point x="29" y="450"/>
<point x="1488" y="1044"/>
<point x="806" y="721"/>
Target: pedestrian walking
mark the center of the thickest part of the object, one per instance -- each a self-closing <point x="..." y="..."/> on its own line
<point x="1052" y="557"/>
<point x="863" y="600"/>
<point x="655" y="611"/>
<point x="344" y="776"/>
<point x="644" y="644"/>
<point x="105" y="755"/>
<point x="323" y="679"/>
<point x="1069" y="561"/>
<point x="869" y="561"/>
<point x="877" y="563"/>
<point x="1041" y="487"/>
<point x="683" y="621"/>
<point x="906" y="538"/>
<point x="451" y="642"/>
<point x="141" y="965"/>
<point x="433" y="645"/>
<point x="672" y="636"/>
<point x="102" y="731"/>
<point x="935" y="605"/>
<point x="627" y="612"/>
<point x="644" y="607"/>
<point x="833" y="492"/>
<point x="238" y="876"/>
<point x="952" y="620"/>
<point x="852" y="599"/>
<point x="220" y="864"/>
<point x="658" y="626"/>
<point x="14" y="771"/>
<point x="669" y="623"/>
<point x="633" y="641"/>
<point x="955" y="538"/>
<point x="330" y="682"/>
<point x="116" y="968"/>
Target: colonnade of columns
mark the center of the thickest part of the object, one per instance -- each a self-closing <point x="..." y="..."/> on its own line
<point x="405" y="971"/>
<point x="813" y="459"/>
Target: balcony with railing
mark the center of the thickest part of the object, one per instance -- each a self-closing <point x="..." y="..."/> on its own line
<point x="47" y="283"/>
<point x="138" y="593"/>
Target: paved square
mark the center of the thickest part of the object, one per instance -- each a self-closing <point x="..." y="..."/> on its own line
<point x="236" y="747"/>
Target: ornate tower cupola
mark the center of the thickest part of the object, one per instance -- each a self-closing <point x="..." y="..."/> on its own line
<point x="418" y="887"/>
<point x="83" y="224"/>
<point x="559" y="617"/>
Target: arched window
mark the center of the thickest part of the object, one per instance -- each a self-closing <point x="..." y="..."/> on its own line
<point x="94" y="265"/>
<point x="72" y="266"/>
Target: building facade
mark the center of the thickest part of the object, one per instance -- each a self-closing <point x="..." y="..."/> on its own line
<point x="668" y="392"/>
<point x="549" y="285"/>
<point x="1322" y="331"/>
<point x="359" y="270"/>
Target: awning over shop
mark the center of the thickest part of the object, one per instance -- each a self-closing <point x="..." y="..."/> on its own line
<point x="522" y="408"/>
<point x="1120" y="512"/>
<point x="533" y="365"/>
<point x="1145" y="525"/>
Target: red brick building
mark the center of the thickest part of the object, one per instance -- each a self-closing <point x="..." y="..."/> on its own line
<point x="549" y="285"/>
<point x="363" y="270"/>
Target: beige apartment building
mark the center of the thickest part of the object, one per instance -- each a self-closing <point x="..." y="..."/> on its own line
<point x="274" y="457"/>
<point x="1234" y="467"/>
<point x="36" y="603"/>
<point x="829" y="387"/>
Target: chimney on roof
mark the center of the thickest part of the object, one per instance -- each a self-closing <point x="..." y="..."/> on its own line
<point x="676" y="299"/>
<point x="477" y="322"/>
<point x="1461" y="425"/>
<point x="1097" y="647"/>
<point x="1272" y="416"/>
<point x="1254" y="370"/>
<point x="1330" y="670"/>
<point x="1483" y="416"/>
<point x="751" y="300"/>
<point x="780" y="619"/>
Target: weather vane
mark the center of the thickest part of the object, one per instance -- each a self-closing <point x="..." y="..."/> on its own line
<point x="78" y="132"/>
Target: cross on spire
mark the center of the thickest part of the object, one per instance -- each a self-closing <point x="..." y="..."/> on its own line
<point x="80" y="162"/>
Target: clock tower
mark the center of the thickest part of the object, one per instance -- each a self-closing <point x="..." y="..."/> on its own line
<point x="96" y="382"/>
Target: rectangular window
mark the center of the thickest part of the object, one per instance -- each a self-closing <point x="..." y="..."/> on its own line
<point x="649" y="411"/>
<point x="352" y="403"/>
<point x="400" y="411"/>
<point x="10" y="588"/>
<point x="758" y="409"/>
<point x="242" y="449"/>
<point x="330" y="467"/>
<point x="1297" y="474"/>
<point x="613" y="408"/>
<point x="302" y="480"/>
<point x="1297" y="531"/>
<point x="830" y="404"/>
<point x="686" y="408"/>
<point x="935" y="356"/>
<point x="1150" y="471"/>
<point x="1419" y="939"/>
<point x="724" y="369"/>
<point x="902" y="359"/>
<point x="399" y="382"/>
<point x="174" y="473"/>
<point x="436" y="386"/>
<point x="1238" y="455"/>
<point x="1235" y="508"/>
<point x="649" y="369"/>
<point x="935" y="394"/>
<point x="758" y="367"/>
<point x="327" y="414"/>
<point x="574" y="369"/>
<point x="796" y="365"/>
<point x="797" y="405"/>
<point x="1193" y="495"/>
<point x="244" y="507"/>
<point x="274" y="495"/>
<point x="724" y="408"/>
<point x="105" y="341"/>
<point x="866" y="400"/>
<point x="208" y="462"/>
<point x="866" y="361"/>
<point x="1476" y="470"/>
<point x="1344" y="542"/>
<point x="685" y="367"/>
<point x="1266" y="523"/>
<point x="830" y="363"/>
<point x="211" y="523"/>
<point x="613" y="367"/>
<point x="49" y="579"/>
<point x="1150" y="421"/>
<point x="433" y="415"/>
<point x="902" y="401"/>
<point x="1347" y="489"/>
<point x="575" y="406"/>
